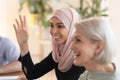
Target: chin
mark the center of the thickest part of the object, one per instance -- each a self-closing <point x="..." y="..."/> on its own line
<point x="77" y="63"/>
<point x="60" y="42"/>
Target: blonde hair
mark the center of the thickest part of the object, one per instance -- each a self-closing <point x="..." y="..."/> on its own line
<point x="98" y="29"/>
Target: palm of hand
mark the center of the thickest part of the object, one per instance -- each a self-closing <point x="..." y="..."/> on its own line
<point x="21" y="30"/>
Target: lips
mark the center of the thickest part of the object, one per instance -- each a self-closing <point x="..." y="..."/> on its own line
<point x="56" y="37"/>
<point x="76" y="54"/>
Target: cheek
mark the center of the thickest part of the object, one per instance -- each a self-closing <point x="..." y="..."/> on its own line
<point x="86" y="55"/>
<point x="50" y="31"/>
<point x="65" y="34"/>
<point x="88" y="51"/>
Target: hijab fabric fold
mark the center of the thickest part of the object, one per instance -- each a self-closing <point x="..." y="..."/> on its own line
<point x="62" y="53"/>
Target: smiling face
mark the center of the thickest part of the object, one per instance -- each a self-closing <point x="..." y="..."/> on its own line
<point x="83" y="48"/>
<point x="58" y="30"/>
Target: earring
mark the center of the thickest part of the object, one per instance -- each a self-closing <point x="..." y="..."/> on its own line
<point x="95" y="54"/>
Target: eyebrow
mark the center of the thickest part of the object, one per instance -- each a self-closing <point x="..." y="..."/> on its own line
<point x="57" y="23"/>
<point x="77" y="36"/>
<point x="60" y="23"/>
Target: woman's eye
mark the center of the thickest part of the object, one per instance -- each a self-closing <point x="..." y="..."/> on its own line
<point x="78" y="40"/>
<point x="51" y="25"/>
<point x="60" y="26"/>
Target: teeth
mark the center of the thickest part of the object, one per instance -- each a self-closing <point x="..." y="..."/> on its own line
<point x="77" y="54"/>
<point x="56" y="37"/>
<point x="74" y="57"/>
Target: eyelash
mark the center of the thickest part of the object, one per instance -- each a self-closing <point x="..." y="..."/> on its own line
<point x="51" y="25"/>
<point x="77" y="40"/>
<point x="59" y="26"/>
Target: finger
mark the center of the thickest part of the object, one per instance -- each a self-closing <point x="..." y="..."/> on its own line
<point x="24" y="19"/>
<point x="25" y="24"/>
<point x="18" y="24"/>
<point x="15" y="27"/>
<point x="20" y="17"/>
<point x="21" y="21"/>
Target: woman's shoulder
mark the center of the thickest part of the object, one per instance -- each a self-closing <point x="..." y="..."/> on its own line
<point x="117" y="69"/>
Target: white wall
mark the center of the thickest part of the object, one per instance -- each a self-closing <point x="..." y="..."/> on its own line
<point x="3" y="17"/>
<point x="12" y="12"/>
<point x="12" y="7"/>
<point x="114" y="16"/>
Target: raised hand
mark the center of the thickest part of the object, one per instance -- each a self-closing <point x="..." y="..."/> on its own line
<point x="21" y="34"/>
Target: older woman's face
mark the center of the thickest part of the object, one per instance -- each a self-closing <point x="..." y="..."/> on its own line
<point x="58" y="30"/>
<point x="83" y="48"/>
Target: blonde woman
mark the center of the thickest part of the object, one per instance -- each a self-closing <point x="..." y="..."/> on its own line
<point x="94" y="46"/>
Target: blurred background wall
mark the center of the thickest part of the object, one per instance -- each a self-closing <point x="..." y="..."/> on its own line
<point x="9" y="11"/>
<point x="3" y="17"/>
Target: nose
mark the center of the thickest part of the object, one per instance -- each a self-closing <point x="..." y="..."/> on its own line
<point x="72" y="46"/>
<point x="54" y="30"/>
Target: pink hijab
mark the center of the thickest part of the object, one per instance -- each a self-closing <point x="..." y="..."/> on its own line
<point x="68" y="16"/>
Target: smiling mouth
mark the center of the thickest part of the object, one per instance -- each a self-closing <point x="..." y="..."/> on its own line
<point x="76" y="55"/>
<point x="56" y="37"/>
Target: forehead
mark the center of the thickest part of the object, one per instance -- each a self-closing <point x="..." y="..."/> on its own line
<point x="77" y="33"/>
<point x="55" y="20"/>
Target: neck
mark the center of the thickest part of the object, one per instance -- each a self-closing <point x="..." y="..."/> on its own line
<point x="95" y="67"/>
<point x="60" y="49"/>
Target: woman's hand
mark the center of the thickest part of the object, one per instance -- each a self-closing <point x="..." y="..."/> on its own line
<point x="21" y="34"/>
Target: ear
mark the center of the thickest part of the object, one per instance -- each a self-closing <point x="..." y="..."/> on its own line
<point x="100" y="45"/>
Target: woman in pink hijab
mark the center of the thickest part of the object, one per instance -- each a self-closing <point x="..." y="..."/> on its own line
<point x="61" y="57"/>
